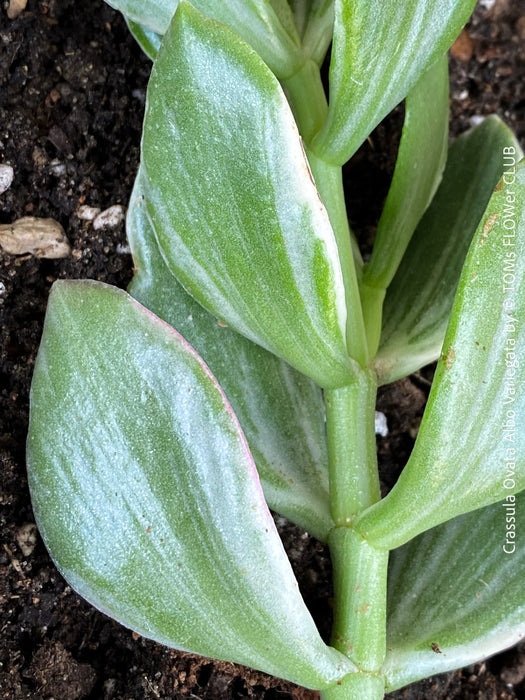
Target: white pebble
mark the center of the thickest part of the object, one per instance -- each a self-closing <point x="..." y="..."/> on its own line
<point x="109" y="218"/>
<point x="57" y="168"/>
<point x="487" y="4"/>
<point x="476" y="119"/>
<point x="16" y="7"/>
<point x="44" y="238"/>
<point x="87" y="213"/>
<point x="381" y="424"/>
<point x="6" y="177"/>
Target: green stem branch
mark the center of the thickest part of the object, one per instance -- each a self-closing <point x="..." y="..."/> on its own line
<point x="359" y="569"/>
<point x="359" y="629"/>
<point x="350" y="423"/>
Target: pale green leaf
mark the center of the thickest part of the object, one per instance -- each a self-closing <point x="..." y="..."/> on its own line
<point x="380" y="50"/>
<point x="456" y="594"/>
<point x="153" y="14"/>
<point x="469" y="451"/>
<point x="254" y="20"/>
<point x="419" y="301"/>
<point x="281" y="411"/>
<point x="147" y="39"/>
<point x="419" y="168"/>
<point x="146" y="494"/>
<point x="234" y="209"/>
<point x="315" y="22"/>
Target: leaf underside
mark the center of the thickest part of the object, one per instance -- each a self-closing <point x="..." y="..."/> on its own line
<point x="456" y="594"/>
<point x="419" y="300"/>
<point x="419" y="167"/>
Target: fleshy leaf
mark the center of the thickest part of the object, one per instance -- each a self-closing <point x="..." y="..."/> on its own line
<point x="153" y="14"/>
<point x="281" y="411"/>
<point x="254" y="20"/>
<point x="469" y="451"/>
<point x="234" y="209"/>
<point x="456" y="594"/>
<point x="380" y="50"/>
<point x="148" y="40"/>
<point x="419" y="168"/>
<point x="146" y="494"/>
<point x="315" y="22"/>
<point x="419" y="301"/>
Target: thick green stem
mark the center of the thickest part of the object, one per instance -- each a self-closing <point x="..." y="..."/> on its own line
<point x="359" y="569"/>
<point x="305" y="93"/>
<point x="350" y="423"/>
<point x="372" y="302"/>
<point x="358" y="686"/>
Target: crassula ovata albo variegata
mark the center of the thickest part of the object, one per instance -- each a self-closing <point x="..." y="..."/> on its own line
<point x="151" y="468"/>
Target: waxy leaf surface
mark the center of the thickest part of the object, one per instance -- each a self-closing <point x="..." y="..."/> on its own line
<point x="234" y="209"/>
<point x="146" y="494"/>
<point x="380" y="50"/>
<point x="419" y="300"/>
<point x="281" y="411"/>
<point x="456" y="594"/>
<point x="256" y="21"/>
<point x="469" y="451"/>
<point x="419" y="167"/>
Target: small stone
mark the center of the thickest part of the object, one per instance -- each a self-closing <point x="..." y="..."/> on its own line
<point x="381" y="424"/>
<point x="43" y="238"/>
<point x="87" y="213"/>
<point x="26" y="538"/>
<point x="109" y="218"/>
<point x="476" y="119"/>
<point x="39" y="157"/>
<point x="57" y="168"/>
<point x="16" y="7"/>
<point x="463" y="47"/>
<point x="6" y="177"/>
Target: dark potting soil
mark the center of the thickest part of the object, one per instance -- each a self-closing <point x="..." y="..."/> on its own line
<point x="72" y="88"/>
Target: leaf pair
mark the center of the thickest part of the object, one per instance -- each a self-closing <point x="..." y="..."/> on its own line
<point x="365" y="83"/>
<point x="146" y="495"/>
